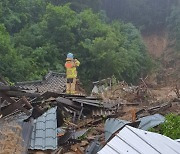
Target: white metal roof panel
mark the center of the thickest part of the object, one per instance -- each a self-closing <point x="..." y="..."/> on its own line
<point x="131" y="140"/>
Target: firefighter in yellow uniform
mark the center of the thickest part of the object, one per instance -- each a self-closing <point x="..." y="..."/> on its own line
<point x="71" y="73"/>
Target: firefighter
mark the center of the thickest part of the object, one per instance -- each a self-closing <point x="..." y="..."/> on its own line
<point x="71" y="73"/>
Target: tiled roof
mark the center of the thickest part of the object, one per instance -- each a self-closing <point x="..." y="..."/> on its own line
<point x="53" y="82"/>
<point x="44" y="135"/>
<point x="135" y="141"/>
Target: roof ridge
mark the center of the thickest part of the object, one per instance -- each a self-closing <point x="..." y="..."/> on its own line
<point x="45" y="78"/>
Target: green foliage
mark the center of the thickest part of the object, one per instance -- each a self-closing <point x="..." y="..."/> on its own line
<point x="78" y="5"/>
<point x="11" y="65"/>
<point x="170" y="127"/>
<point x="17" y="13"/>
<point x="41" y="40"/>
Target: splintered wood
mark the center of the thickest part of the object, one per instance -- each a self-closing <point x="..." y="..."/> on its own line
<point x="10" y="139"/>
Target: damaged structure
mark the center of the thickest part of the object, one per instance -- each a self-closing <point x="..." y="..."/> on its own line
<point x="51" y="121"/>
<point x="134" y="141"/>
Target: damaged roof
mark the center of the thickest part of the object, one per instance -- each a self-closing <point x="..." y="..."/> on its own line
<point x="44" y="135"/>
<point x="135" y="141"/>
<point x="53" y="82"/>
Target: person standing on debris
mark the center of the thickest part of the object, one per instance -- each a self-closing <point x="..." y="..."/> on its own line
<point x="71" y="73"/>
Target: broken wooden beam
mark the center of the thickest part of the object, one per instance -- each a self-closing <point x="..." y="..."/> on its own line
<point x="67" y="102"/>
<point x="16" y="105"/>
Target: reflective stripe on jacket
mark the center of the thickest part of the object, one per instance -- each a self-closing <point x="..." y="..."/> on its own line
<point x="71" y="65"/>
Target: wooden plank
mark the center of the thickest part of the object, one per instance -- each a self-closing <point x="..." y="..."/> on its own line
<point x="18" y="104"/>
<point x="8" y="109"/>
<point x="21" y="93"/>
<point x="67" y="102"/>
<point x="26" y="102"/>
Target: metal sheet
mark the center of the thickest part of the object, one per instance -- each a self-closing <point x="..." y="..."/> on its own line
<point x="27" y="128"/>
<point x="112" y="125"/>
<point x="178" y="140"/>
<point x="132" y="140"/>
<point x="93" y="148"/>
<point x="151" y="121"/>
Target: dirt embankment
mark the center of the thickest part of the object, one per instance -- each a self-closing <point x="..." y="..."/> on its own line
<point x="156" y="43"/>
<point x="162" y="49"/>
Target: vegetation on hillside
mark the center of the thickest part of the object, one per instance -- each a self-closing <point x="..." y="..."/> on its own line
<point x="42" y="34"/>
<point x="36" y="35"/>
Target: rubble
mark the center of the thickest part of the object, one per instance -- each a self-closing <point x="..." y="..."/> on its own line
<point x="55" y="122"/>
<point x="10" y="140"/>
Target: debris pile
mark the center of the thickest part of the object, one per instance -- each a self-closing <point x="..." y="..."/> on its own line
<point x="53" y="122"/>
<point x="10" y="139"/>
<point x="121" y="90"/>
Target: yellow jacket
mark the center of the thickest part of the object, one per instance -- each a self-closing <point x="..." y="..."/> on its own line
<point x="71" y="65"/>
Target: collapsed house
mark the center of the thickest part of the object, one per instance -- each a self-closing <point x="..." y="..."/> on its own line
<point x="37" y="107"/>
<point x="50" y="121"/>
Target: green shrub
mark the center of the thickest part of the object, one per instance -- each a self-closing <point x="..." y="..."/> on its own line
<point x="170" y="128"/>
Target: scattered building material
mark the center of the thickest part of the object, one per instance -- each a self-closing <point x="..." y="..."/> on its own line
<point x="112" y="124"/>
<point x="160" y="108"/>
<point x="94" y="147"/>
<point x="10" y="104"/>
<point x="132" y="140"/>
<point x="53" y="122"/>
<point x="151" y="121"/>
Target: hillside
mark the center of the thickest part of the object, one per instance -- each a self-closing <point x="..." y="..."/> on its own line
<point x="156" y="43"/>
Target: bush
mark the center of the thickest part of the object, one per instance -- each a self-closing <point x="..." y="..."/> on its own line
<point x="170" y="127"/>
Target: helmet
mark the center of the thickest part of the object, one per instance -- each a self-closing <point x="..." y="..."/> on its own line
<point x="70" y="55"/>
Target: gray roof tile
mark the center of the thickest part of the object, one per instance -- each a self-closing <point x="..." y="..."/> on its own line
<point x="53" y="82"/>
<point x="44" y="134"/>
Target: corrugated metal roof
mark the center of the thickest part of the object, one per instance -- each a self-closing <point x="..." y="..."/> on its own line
<point x="135" y="141"/>
<point x="44" y="134"/>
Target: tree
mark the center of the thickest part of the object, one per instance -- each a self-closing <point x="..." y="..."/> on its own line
<point x="17" y="14"/>
<point x="12" y="66"/>
<point x="104" y="49"/>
